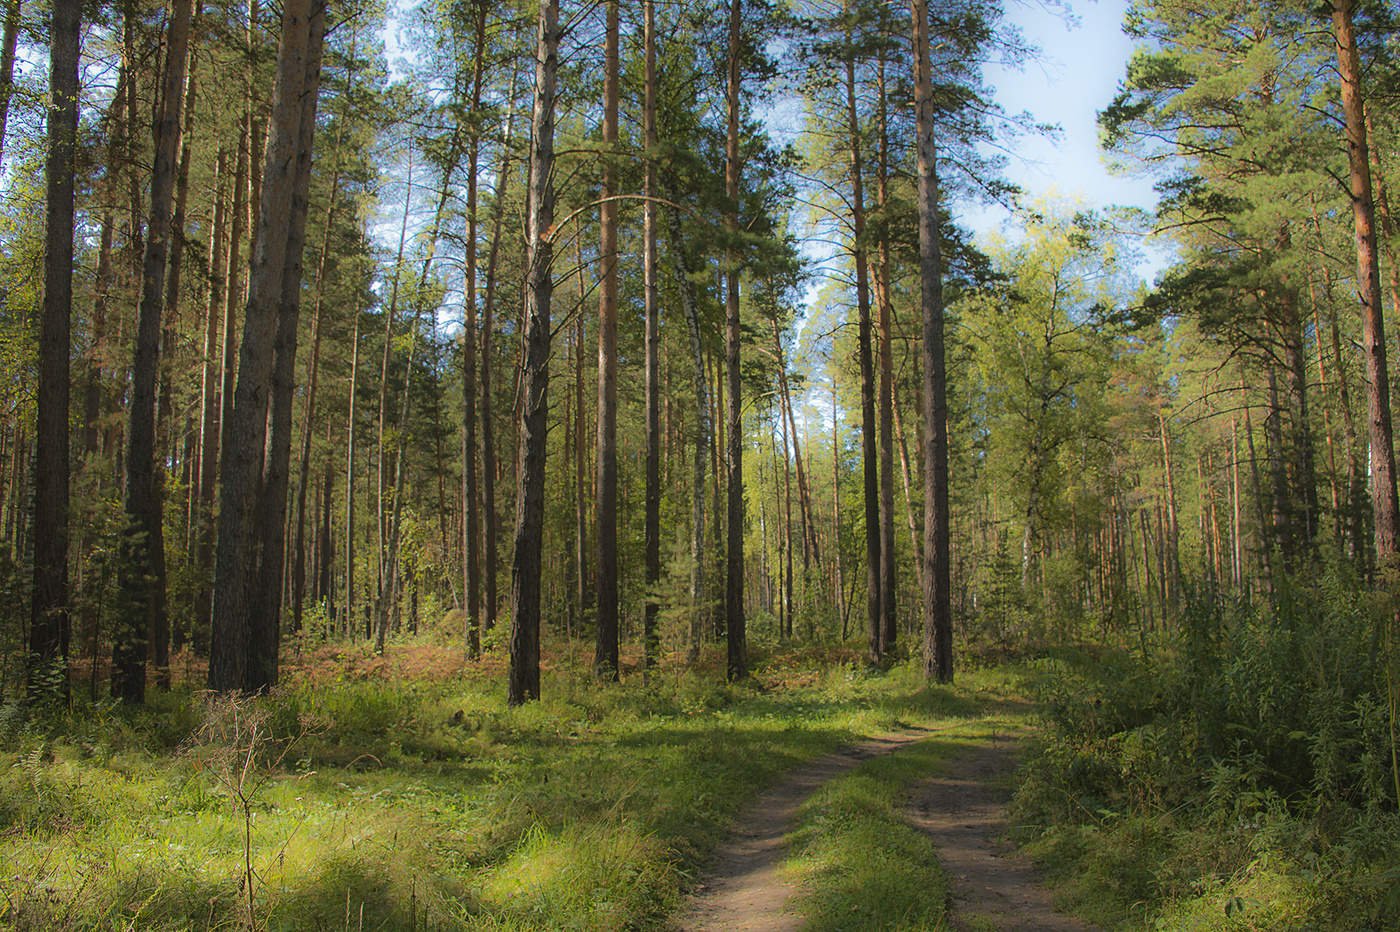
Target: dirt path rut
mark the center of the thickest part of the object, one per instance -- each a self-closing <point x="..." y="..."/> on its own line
<point x="743" y="890"/>
<point x="963" y="808"/>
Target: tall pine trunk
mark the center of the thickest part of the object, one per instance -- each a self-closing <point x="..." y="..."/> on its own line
<point x="605" y="660"/>
<point x="142" y="613"/>
<point x="529" y="507"/>
<point x="650" y="643"/>
<point x="1385" y="505"/>
<point x="49" y="608"/>
<point x="870" y="466"/>
<point x="938" y="621"/>
<point x="244" y="639"/>
<point x="736" y="637"/>
<point x="471" y="531"/>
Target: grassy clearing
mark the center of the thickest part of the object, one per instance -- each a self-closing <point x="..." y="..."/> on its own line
<point x="415" y="798"/>
<point x="858" y="863"/>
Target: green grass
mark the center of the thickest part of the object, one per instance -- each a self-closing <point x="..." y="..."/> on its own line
<point x="403" y="802"/>
<point x="857" y="862"/>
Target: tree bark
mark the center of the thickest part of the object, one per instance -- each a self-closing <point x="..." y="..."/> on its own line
<point x="471" y="531"/>
<point x="736" y="636"/>
<point x="7" y="67"/>
<point x="605" y="660"/>
<point x="49" y="608"/>
<point x="700" y="463"/>
<point x="650" y="643"/>
<point x="1385" y="505"/>
<point x="874" y="577"/>
<point x="243" y="649"/>
<point x="938" y="623"/>
<point x="529" y="508"/>
<point x="142" y="616"/>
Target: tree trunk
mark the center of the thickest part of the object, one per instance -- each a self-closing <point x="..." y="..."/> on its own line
<point x="49" y="608"/>
<point x="1173" y="542"/>
<point x="738" y="661"/>
<point x="350" y="479"/>
<point x="142" y="615"/>
<point x="836" y="510"/>
<point x="1385" y="505"/>
<point x="7" y="67"/>
<point x="874" y="577"/>
<point x="938" y="625"/>
<point x="886" y="390"/>
<point x="471" y="531"/>
<point x="277" y="468"/>
<point x="650" y="644"/>
<point x="243" y="649"/>
<point x="488" y="422"/>
<point x="605" y="659"/>
<point x="529" y="507"/>
<point x="381" y="519"/>
<point x="700" y="463"/>
<point x="313" y="371"/>
<point x="583" y="487"/>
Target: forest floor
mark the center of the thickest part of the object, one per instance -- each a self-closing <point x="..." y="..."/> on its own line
<point x="402" y="793"/>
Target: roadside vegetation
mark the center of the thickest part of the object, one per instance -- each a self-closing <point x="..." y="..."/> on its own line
<point x="404" y="793"/>
<point x="1234" y="772"/>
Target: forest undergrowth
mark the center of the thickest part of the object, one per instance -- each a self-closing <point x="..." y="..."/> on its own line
<point x="1236" y="771"/>
<point x="404" y="793"/>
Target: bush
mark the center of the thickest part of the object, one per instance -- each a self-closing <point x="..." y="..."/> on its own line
<point x="1249" y="750"/>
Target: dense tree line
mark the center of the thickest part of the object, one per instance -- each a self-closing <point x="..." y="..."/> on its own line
<point x="311" y="355"/>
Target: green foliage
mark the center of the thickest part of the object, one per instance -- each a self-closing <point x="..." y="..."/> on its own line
<point x="1239" y="774"/>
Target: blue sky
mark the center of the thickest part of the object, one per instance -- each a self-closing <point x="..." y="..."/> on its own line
<point x="1082" y="63"/>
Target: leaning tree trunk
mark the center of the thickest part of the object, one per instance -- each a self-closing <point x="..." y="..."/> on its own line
<point x="938" y="623"/>
<point x="48" y="632"/>
<point x="141" y="575"/>
<point x="529" y="507"/>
